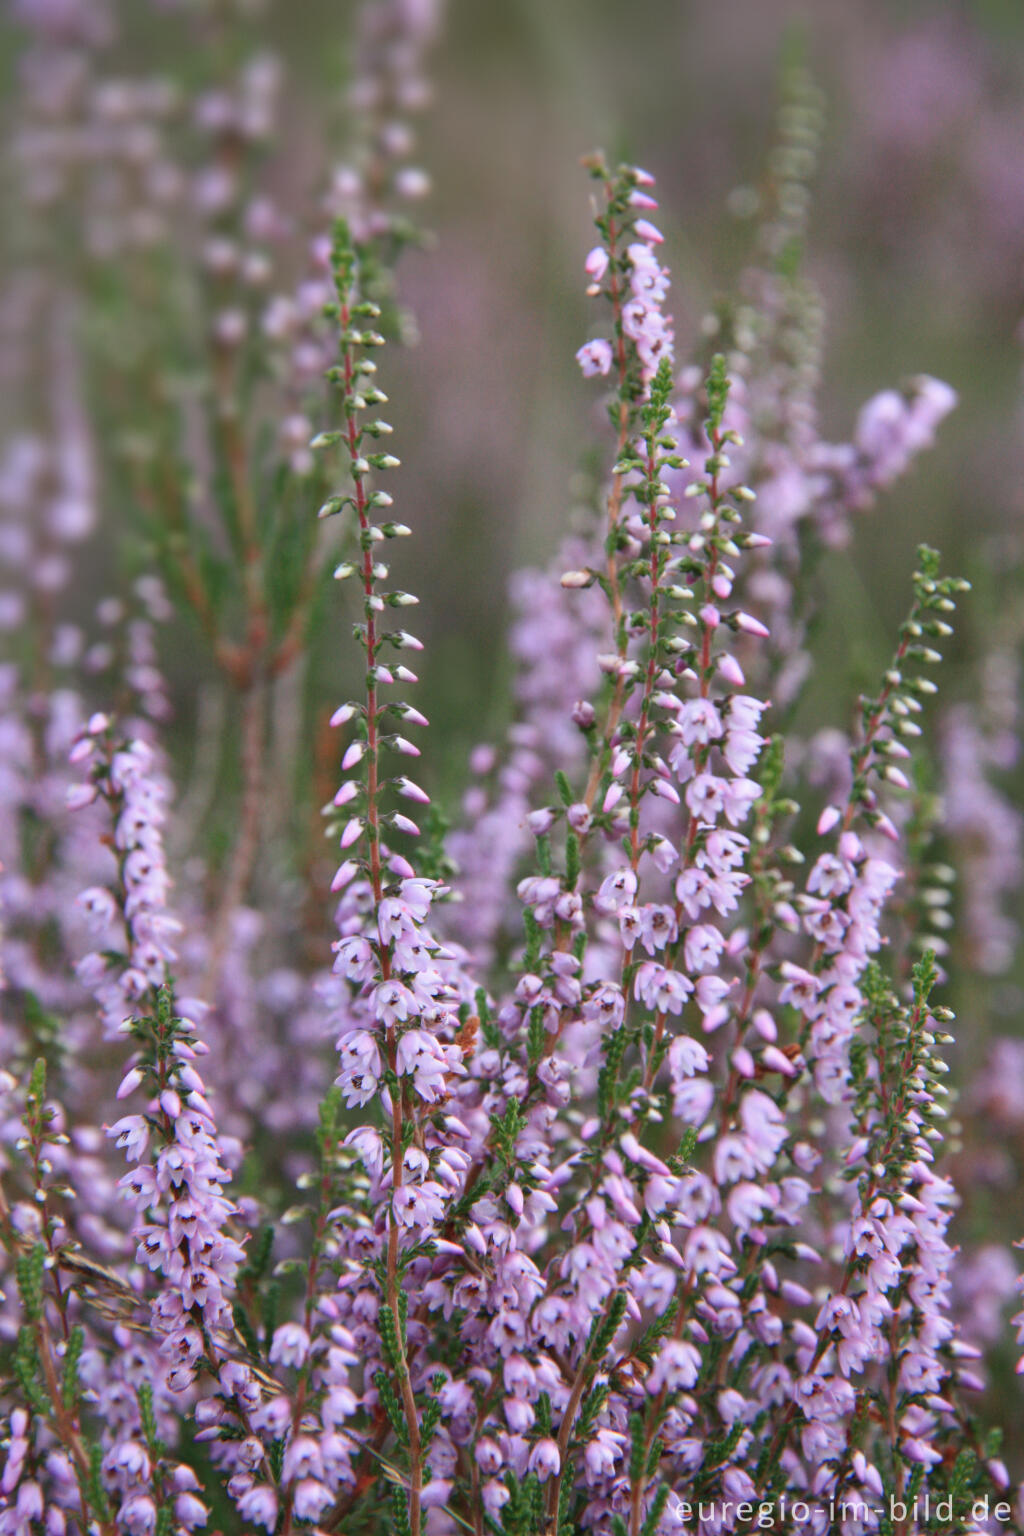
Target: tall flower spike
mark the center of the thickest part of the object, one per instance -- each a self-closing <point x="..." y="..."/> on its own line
<point x="182" y="1215"/>
<point x="366" y="818"/>
<point x="847" y="889"/>
<point x="559" y="640"/>
<point x="400" y="1043"/>
<point x="373" y="187"/>
<point x="771" y="332"/>
<point x="50" y="1336"/>
<point x="625" y="268"/>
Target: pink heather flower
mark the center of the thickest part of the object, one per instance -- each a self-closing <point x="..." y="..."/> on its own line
<point x="369" y="1147"/>
<point x="354" y="959"/>
<point x="648" y="231"/>
<point x="137" y="1515"/>
<point x="393" y="1003"/>
<point x="616" y="891"/>
<point x="98" y="903"/>
<point x="801" y="987"/>
<point x="699" y="722"/>
<point x="702" y="947"/>
<point x="544" y="1459"/>
<point x="748" y="1204"/>
<point x="190" y="1511"/>
<point x="131" y="1134"/>
<point x="596" y="265"/>
<point x="259" y="1505"/>
<point x="290" y="1345"/>
<point x="764" y="1125"/>
<point x="742" y="749"/>
<point x="361" y="1067"/>
<point x="602" y="1454"/>
<point x="738" y="798"/>
<point x="594" y="357"/>
<point x="658" y="927"/>
<point x="828" y="819"/>
<point x="128" y="1461"/>
<point x="606" y="1005"/>
<point x="677" y="1366"/>
<point x="420" y="1057"/>
<point x="687" y="1056"/>
<point x="631" y="926"/>
<point x="705" y="796"/>
<point x="312" y="1498"/>
<point x="730" y="670"/>
<point x="579" y="818"/>
<point x="661" y="990"/>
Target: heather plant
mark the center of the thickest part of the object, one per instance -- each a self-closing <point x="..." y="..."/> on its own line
<point x="585" y="1165"/>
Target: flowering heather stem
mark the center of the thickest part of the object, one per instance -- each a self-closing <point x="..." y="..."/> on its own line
<point x="616" y="224"/>
<point x="34" y="1264"/>
<point x="353" y="313"/>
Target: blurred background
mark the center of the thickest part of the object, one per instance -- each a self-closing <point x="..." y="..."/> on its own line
<point x="916" y="243"/>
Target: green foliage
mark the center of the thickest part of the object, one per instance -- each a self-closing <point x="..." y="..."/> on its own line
<point x="605" y="1328"/>
<point x="147" y="1416"/>
<point x="94" y="1482"/>
<point x="656" y="1511"/>
<point x="400" y="1511"/>
<point x="72" y="1355"/>
<point x="638" y="1446"/>
<point x="26" y="1370"/>
<point x="537" y="1034"/>
<point x="29" y="1268"/>
<point x="389" y="1399"/>
<point x="390" y="1343"/>
<point x="717" y="392"/>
